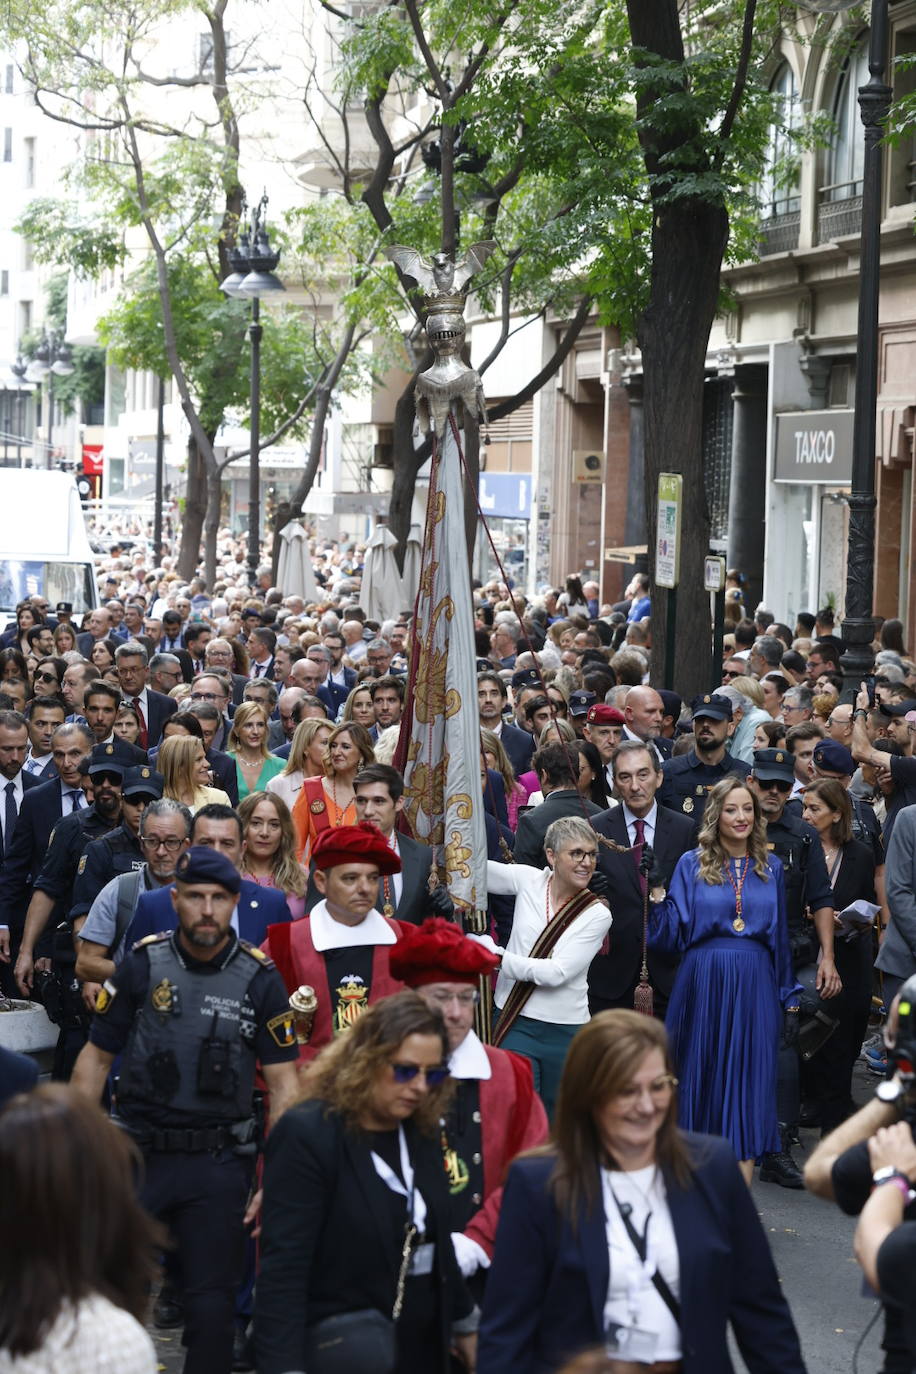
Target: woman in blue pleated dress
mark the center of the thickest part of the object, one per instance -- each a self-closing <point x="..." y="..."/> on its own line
<point x="735" y="992"/>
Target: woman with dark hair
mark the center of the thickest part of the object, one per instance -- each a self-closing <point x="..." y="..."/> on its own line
<point x="573" y="600"/>
<point x="13" y="664"/>
<point x="48" y="676"/>
<point x="892" y="637"/>
<point x="75" y="1285"/>
<point x="15" y="637"/>
<point x="102" y="655"/>
<point x="628" y="1233"/>
<point x="355" y="1242"/>
<point x="329" y="801"/>
<point x="592" y="774"/>
<point x="734" y="992"/>
<point x="851" y="869"/>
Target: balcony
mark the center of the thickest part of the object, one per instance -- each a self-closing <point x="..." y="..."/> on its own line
<point x="839" y="213"/>
<point x="779" y="233"/>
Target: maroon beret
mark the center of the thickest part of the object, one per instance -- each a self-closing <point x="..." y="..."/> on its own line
<point x="437" y="952"/>
<point x="360" y="844"/>
<point x="604" y="715"/>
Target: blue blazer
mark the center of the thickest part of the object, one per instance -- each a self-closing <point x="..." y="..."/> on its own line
<point x="548" y="1283"/>
<point x="259" y="907"/>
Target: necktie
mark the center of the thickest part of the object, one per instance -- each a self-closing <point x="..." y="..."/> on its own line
<point x="638" y="848"/>
<point x="144" y="736"/>
<point x="9" y="819"/>
<point x="76" y="800"/>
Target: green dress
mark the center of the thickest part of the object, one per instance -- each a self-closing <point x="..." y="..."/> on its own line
<point x="272" y="768"/>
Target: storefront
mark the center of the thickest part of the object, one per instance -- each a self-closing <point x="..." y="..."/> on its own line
<point x="505" y="500"/>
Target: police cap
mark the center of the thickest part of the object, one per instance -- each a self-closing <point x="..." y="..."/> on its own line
<point x="201" y="864"/>
<point x="580" y="701"/>
<point x="109" y="758"/>
<point x="896" y="708"/>
<point x="832" y="757"/>
<point x="142" y="782"/>
<point x="525" y="677"/>
<point x="773" y="765"/>
<point x="712" y="705"/>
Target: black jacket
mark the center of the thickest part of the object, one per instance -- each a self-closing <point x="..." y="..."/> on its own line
<point x="612" y="975"/>
<point x="327" y="1246"/>
<point x="532" y="827"/>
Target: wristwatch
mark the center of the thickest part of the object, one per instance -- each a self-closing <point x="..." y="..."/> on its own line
<point x="888" y="1173"/>
<point x="892" y="1093"/>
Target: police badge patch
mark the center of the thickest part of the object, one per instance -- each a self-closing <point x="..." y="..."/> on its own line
<point x="107" y="994"/>
<point x="283" y="1030"/>
<point x="687" y="805"/>
<point x="80" y="867"/>
<point x="161" y="997"/>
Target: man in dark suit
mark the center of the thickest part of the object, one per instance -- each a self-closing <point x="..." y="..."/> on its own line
<point x="492" y="696"/>
<point x="403" y="896"/>
<point x="644" y="713"/>
<point x="637" y="824"/>
<point x="219" y="655"/>
<point x="557" y="767"/>
<point x="44" y="715"/>
<point x="261" y="645"/>
<point x="14" y="780"/>
<point x="41" y="809"/>
<point x="97" y="625"/>
<point x="154" y="709"/>
<point x="214" y="827"/>
<point x="340" y="680"/>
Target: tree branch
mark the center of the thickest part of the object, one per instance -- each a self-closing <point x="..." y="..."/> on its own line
<point x="550" y="368"/>
<point x="740" y="82"/>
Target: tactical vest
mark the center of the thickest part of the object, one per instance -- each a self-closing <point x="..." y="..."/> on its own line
<point x="186" y="1049"/>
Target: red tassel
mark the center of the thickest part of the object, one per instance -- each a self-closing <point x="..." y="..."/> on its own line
<point x="643" y="1000"/>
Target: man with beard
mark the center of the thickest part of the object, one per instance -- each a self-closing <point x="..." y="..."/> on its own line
<point x="687" y="779"/>
<point x="193" y="1013"/>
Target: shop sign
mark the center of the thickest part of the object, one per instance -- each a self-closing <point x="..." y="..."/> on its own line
<point x="814" y="446"/>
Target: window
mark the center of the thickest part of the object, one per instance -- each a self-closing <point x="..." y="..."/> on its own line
<point x="779" y="189"/>
<point x="28" y="256"/>
<point x="4" y="282"/>
<point x="8" y="82"/>
<point x="25" y="317"/>
<point x="846" y="158"/>
<point x="7" y="145"/>
<point x="29" y="146"/>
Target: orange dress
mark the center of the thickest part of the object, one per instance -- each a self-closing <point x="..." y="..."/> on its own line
<point x="313" y="812"/>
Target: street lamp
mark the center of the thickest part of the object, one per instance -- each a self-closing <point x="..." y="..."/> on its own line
<point x="52" y="358"/>
<point x="253" y="262"/>
<point x="874" y="104"/>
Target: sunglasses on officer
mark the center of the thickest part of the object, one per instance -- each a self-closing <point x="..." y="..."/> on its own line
<point x="768" y="784"/>
<point x="406" y="1073"/>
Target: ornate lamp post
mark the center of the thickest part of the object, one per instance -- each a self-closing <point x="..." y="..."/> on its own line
<point x="253" y="262"/>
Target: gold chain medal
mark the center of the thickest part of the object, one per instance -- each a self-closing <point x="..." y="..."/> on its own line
<point x="738" y="887"/>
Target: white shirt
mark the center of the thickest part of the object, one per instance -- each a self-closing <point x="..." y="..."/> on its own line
<point x="561" y="994"/>
<point x="627" y="733"/>
<point x="92" y="1337"/>
<point x="35" y="763"/>
<point x="330" y="934"/>
<point x="632" y="1298"/>
<point x="469" y="1060"/>
<point x="396" y="881"/>
<point x="17" y="798"/>
<point x="649" y="822"/>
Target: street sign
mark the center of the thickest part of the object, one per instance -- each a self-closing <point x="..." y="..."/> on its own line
<point x="668" y="529"/>
<point x="713" y="574"/>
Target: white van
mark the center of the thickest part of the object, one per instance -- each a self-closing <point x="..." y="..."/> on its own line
<point x="44" y="544"/>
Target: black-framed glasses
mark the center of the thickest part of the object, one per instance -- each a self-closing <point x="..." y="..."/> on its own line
<point x="406" y="1073"/>
<point x="172" y="843"/>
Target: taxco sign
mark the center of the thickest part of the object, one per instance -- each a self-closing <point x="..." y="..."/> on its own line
<point x="814" y="446"/>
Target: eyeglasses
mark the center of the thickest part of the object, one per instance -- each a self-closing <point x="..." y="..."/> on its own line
<point x="406" y="1073"/>
<point x="172" y="843"/>
<point x="205" y="696"/>
<point x="659" y="1090"/>
<point x="732" y="672"/>
<point x="790" y="707"/>
<point x="468" y="997"/>
<point x="115" y="779"/>
<point x="768" y="784"/>
<point x="46" y="677"/>
<point x="577" y="855"/>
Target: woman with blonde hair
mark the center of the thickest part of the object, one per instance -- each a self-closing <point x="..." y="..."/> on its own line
<point x="330" y="800"/>
<point x="65" y="639"/>
<point x="497" y="759"/>
<point x="306" y="759"/>
<point x="247" y="744"/>
<point x="186" y="773"/>
<point x="358" y="707"/>
<point x="735" y="992"/>
<point x="269" y="848"/>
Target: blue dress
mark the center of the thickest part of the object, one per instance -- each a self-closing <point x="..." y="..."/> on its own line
<point x="725" y="1014"/>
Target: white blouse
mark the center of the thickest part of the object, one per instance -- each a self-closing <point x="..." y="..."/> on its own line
<point x="632" y="1298"/>
<point x="94" y="1337"/>
<point x="561" y="992"/>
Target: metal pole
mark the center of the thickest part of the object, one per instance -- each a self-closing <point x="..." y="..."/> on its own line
<point x="49" y="431"/>
<point x="254" y="463"/>
<point x="858" y="625"/>
<point x="718" y="634"/>
<point x="160" y="464"/>
<point x="670" y="634"/>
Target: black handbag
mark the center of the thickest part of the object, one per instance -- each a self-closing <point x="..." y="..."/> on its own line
<point x="817" y="1024"/>
<point x="360" y="1342"/>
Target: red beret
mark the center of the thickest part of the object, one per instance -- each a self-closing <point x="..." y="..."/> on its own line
<point x="437" y="952"/>
<point x="360" y="844"/>
<point x="605" y="715"/>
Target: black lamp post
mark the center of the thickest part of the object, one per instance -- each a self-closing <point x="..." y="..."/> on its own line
<point x="52" y="359"/>
<point x="874" y="104"/>
<point x="252" y="277"/>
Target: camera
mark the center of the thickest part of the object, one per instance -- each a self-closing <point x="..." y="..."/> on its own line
<point x="903" y="1050"/>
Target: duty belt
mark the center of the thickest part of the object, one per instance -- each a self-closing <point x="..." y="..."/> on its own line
<point x="190" y="1141"/>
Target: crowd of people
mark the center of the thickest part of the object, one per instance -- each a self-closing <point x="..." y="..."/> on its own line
<point x="700" y="913"/>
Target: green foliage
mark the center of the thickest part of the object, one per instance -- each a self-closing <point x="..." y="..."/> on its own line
<point x="59" y="233"/>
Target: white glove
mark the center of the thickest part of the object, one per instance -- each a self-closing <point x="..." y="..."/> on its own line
<point x="488" y="943"/>
<point x="469" y="1254"/>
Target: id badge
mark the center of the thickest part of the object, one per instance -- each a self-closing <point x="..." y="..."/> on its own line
<point x="631" y="1343"/>
<point x="421" y="1262"/>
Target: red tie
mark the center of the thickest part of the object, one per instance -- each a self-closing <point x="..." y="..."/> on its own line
<point x="638" y="848"/>
<point x="144" y="735"/>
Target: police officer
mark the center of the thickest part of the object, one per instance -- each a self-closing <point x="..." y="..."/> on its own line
<point x="192" y="1013"/>
<point x="120" y="850"/>
<point x="807" y="884"/>
<point x="687" y="779"/>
